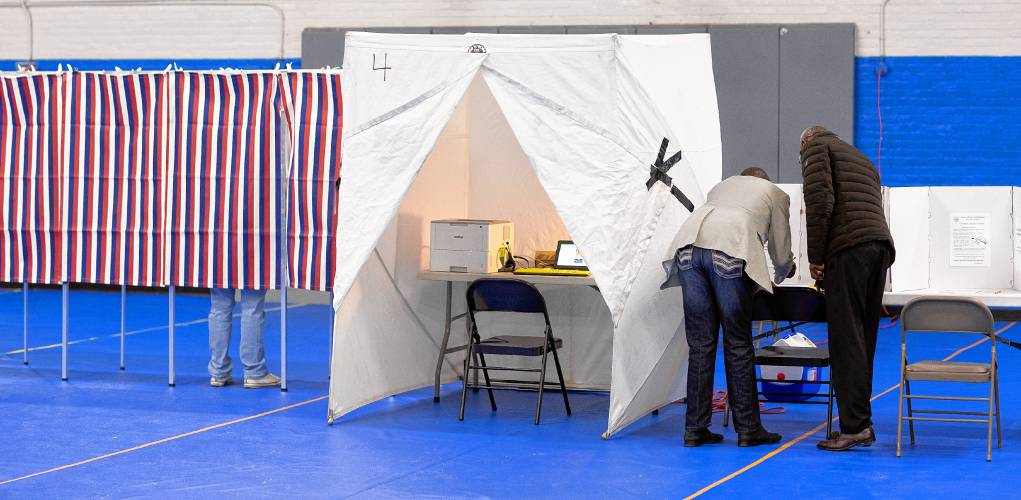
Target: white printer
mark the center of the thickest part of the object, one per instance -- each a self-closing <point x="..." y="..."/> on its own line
<point x="468" y="246"/>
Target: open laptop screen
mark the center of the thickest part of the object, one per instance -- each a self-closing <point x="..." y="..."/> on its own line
<point x="568" y="256"/>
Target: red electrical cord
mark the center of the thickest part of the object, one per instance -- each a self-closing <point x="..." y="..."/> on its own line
<point x="720" y="404"/>
<point x="892" y="323"/>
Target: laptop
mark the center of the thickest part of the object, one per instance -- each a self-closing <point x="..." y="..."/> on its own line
<point x="567" y="262"/>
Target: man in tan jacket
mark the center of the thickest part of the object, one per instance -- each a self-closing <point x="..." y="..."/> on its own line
<point x="720" y="262"/>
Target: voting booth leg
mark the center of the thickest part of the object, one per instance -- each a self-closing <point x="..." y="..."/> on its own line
<point x="283" y="262"/>
<point x="64" y="293"/>
<point x="333" y="317"/>
<point x="829" y="407"/>
<point x="24" y="322"/>
<point x="283" y="338"/>
<point x="170" y="335"/>
<point x="124" y="307"/>
<point x="443" y="345"/>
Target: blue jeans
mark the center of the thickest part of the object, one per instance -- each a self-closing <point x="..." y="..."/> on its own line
<point x="221" y="317"/>
<point x="717" y="292"/>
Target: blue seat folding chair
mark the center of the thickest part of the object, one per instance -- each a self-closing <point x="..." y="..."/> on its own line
<point x="517" y="296"/>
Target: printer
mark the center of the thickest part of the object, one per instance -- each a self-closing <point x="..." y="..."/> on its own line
<point x="468" y="245"/>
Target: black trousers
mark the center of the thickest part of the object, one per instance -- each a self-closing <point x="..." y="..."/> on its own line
<point x="854" y="282"/>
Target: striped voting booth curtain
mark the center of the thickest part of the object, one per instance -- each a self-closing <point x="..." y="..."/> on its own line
<point x="30" y="136"/>
<point x="113" y="157"/>
<point x="222" y="180"/>
<point x="313" y="114"/>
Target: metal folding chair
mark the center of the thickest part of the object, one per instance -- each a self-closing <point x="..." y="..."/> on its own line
<point x="945" y="314"/>
<point x="795" y="306"/>
<point x="509" y="295"/>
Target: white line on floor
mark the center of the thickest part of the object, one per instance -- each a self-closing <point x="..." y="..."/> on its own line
<point x="143" y="330"/>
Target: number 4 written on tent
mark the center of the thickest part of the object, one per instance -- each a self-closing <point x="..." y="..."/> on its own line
<point x="385" y="67"/>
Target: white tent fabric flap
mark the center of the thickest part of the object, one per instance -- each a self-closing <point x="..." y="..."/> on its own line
<point x="601" y="149"/>
<point x="677" y="72"/>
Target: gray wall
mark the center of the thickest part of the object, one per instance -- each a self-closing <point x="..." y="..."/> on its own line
<point x="772" y="81"/>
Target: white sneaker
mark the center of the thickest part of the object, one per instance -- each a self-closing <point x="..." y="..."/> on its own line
<point x="269" y="380"/>
<point x="220" y="382"/>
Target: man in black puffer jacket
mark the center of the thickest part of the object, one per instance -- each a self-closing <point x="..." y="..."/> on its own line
<point x="849" y="251"/>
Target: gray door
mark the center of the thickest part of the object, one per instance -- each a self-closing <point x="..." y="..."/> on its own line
<point x="816" y="87"/>
<point x="745" y="65"/>
<point x="322" y="47"/>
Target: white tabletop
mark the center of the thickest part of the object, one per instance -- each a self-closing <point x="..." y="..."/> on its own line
<point x="535" y="279"/>
<point x="1007" y="298"/>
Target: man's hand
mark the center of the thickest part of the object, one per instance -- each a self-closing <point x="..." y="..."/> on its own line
<point x="793" y="271"/>
<point x="818" y="271"/>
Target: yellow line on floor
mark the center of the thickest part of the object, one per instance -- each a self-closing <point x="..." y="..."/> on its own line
<point x="164" y="440"/>
<point x="820" y="427"/>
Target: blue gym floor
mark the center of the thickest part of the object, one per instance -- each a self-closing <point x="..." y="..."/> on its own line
<point x="113" y="433"/>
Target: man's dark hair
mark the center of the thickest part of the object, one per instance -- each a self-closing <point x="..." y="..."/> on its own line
<point x="755" y="172"/>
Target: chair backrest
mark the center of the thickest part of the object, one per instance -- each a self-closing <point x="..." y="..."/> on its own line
<point x="504" y="294"/>
<point x="947" y="314"/>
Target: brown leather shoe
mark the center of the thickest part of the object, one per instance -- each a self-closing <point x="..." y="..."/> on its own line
<point x="843" y="442"/>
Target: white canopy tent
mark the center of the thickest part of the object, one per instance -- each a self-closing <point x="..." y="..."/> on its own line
<point x="590" y="114"/>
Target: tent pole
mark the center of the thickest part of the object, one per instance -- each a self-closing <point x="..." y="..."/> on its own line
<point x="64" y="293"/>
<point x="24" y="321"/>
<point x="124" y="301"/>
<point x="170" y="319"/>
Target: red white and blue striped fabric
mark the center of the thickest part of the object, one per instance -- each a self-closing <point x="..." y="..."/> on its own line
<point x="313" y="113"/>
<point x="222" y="180"/>
<point x="113" y="200"/>
<point x="30" y="134"/>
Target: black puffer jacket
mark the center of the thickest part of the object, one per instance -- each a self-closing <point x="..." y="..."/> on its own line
<point x="843" y="198"/>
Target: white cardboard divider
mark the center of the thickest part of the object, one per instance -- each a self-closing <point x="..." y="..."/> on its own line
<point x="909" y="223"/>
<point x="799" y="238"/>
<point x="960" y="240"/>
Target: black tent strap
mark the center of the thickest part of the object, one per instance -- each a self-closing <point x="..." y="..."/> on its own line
<point x="658" y="173"/>
<point x="681" y="198"/>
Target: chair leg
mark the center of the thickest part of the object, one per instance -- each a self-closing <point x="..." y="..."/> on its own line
<point x="726" y="411"/>
<point x="829" y="409"/>
<point x="900" y="412"/>
<point x="464" y="380"/>
<point x="542" y="385"/>
<point x="911" y="413"/>
<point x="563" y="386"/>
<point x="489" y="385"/>
<point x="996" y="389"/>
<point x="475" y="374"/>
<point x="989" y="436"/>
